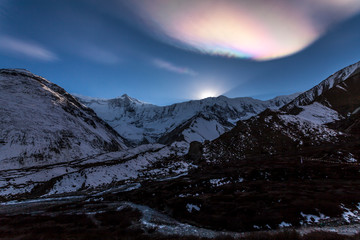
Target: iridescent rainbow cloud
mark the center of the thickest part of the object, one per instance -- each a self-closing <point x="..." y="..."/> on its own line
<point x="255" y="29"/>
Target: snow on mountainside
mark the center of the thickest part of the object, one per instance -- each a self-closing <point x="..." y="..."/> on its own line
<point x="198" y="120"/>
<point x="315" y="118"/>
<point x="42" y="124"/>
<point x="123" y="169"/>
<point x="52" y="144"/>
<point x="280" y="168"/>
<point x="310" y="95"/>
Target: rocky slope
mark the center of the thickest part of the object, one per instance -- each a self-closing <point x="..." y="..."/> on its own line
<point x="295" y="166"/>
<point x="51" y="144"/>
<point x="197" y="120"/>
<point x="42" y="124"/>
<point x="334" y="80"/>
<point x="309" y="120"/>
<point x="109" y="172"/>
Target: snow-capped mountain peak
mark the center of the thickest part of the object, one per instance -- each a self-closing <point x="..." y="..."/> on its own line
<point x="131" y="100"/>
<point x="141" y="122"/>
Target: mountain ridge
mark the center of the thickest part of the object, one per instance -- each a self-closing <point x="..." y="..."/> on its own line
<point x="42" y="122"/>
<point x="148" y="123"/>
<point x="308" y="120"/>
<point x="336" y="78"/>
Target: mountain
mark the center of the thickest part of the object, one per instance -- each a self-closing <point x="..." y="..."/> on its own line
<point x="334" y="80"/>
<point x="51" y="144"/>
<point x="197" y="120"/>
<point x="288" y="162"/>
<point x="309" y="120"/>
<point x="42" y="124"/>
<point x="296" y="166"/>
<point x="292" y="165"/>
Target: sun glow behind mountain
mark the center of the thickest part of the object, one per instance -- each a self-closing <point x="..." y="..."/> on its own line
<point x="208" y="93"/>
<point x="259" y="30"/>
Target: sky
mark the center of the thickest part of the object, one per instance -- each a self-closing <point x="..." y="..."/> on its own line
<point x="167" y="51"/>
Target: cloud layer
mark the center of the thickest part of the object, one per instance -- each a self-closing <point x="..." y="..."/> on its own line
<point x="23" y="48"/>
<point x="256" y="29"/>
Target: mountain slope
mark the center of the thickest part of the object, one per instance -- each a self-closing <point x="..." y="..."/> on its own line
<point x="309" y="120"/>
<point x="198" y="120"/>
<point x="289" y="167"/>
<point x="42" y="124"/>
<point x="335" y="79"/>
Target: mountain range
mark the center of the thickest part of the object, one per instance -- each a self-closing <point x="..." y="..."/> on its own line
<point x="197" y="120"/>
<point x="296" y="166"/>
<point x="219" y="163"/>
<point x="48" y="136"/>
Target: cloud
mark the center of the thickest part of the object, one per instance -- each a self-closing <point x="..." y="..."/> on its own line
<point x="173" y="68"/>
<point x="256" y="29"/>
<point x="25" y="49"/>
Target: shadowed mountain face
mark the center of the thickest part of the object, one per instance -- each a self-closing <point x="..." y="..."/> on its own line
<point x="350" y="125"/>
<point x="42" y="124"/>
<point x="344" y="97"/>
<point x="334" y="80"/>
<point x="309" y="120"/>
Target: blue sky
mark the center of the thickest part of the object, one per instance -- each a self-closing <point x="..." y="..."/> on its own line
<point x="169" y="54"/>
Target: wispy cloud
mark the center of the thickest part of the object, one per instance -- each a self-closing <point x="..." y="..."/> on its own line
<point x="25" y="49"/>
<point x="173" y="68"/>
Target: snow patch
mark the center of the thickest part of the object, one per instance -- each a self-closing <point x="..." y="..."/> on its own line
<point x="356" y="110"/>
<point x="310" y="218"/>
<point x="190" y="207"/>
<point x="219" y="182"/>
<point x="350" y="215"/>
<point x="284" y="224"/>
<point x="318" y="114"/>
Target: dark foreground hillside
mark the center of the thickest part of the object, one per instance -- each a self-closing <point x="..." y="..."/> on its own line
<point x="118" y="226"/>
<point x="257" y="194"/>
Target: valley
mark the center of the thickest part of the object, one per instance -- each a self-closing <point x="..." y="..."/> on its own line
<point x="217" y="168"/>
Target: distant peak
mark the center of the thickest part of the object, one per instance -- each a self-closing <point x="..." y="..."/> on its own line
<point x="126" y="97"/>
<point x="222" y="97"/>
